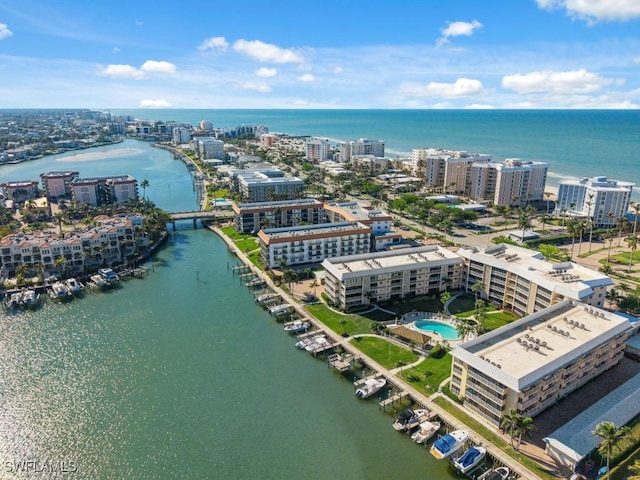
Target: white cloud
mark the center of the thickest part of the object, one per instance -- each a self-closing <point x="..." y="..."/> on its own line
<point x="266" y="52"/>
<point x="300" y="103"/>
<point x="462" y="87"/>
<point x="4" y="31"/>
<point x="307" y="78"/>
<point x="149" y="103"/>
<point x="266" y="72"/>
<point x="336" y="69"/>
<point x="139" y="23"/>
<point x="116" y="50"/>
<point x="636" y="60"/>
<point x="214" y="43"/>
<point x="595" y="10"/>
<point x="479" y="106"/>
<point x="577" y="81"/>
<point x="258" y="87"/>
<point x="154" y="66"/>
<point x="455" y="29"/>
<point x="120" y="71"/>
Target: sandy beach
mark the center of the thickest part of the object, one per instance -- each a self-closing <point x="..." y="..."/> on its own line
<point x="102" y="154"/>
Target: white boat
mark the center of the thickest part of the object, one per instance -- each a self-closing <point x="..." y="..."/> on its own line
<point x="409" y="419"/>
<point x="500" y="473"/>
<point x="319" y="343"/>
<point x="74" y="285"/>
<point x="109" y="275"/>
<point x="99" y="281"/>
<point x="297" y="326"/>
<point x="305" y="342"/>
<point x="449" y="444"/>
<point x="470" y="459"/>
<point x="13" y="300"/>
<point x="59" y="291"/>
<point x="29" y="297"/>
<point x="265" y="297"/>
<point x="371" y="387"/>
<point x="427" y="430"/>
<point x="280" y="309"/>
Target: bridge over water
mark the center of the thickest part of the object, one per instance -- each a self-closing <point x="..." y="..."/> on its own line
<point x="201" y="215"/>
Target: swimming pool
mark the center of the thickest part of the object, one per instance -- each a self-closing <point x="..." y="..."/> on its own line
<point x="445" y="331"/>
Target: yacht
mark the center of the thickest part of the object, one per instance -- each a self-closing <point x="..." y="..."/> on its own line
<point x="297" y="326"/>
<point x="99" y="281"/>
<point x="74" y="285"/>
<point x="13" y="300"/>
<point x="265" y="297"/>
<point x="29" y="298"/>
<point x="500" y="473"/>
<point x="449" y="444"/>
<point x="427" y="430"/>
<point x="59" y="291"/>
<point x="317" y="344"/>
<point x="469" y="459"/>
<point x="109" y="275"/>
<point x="371" y="387"/>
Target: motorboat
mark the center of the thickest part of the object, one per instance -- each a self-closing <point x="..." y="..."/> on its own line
<point x="99" y="281"/>
<point x="74" y="285"/>
<point x="305" y="342"/>
<point x="469" y="459"/>
<point x="409" y="419"/>
<point x="371" y="387"/>
<point x="427" y="430"/>
<point x="29" y="297"/>
<point x="109" y="275"/>
<point x="500" y="473"/>
<point x="297" y="326"/>
<point x="13" y="300"/>
<point x="280" y="309"/>
<point x="449" y="444"/>
<point x="59" y="291"/>
<point x="317" y="344"/>
<point x="265" y="297"/>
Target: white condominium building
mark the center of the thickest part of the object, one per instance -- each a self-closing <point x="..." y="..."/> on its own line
<point x="104" y="190"/>
<point x="598" y="198"/>
<point x="208" y="147"/>
<point x="317" y="150"/>
<point x="530" y="364"/>
<point x="363" y="146"/>
<point x="521" y="280"/>
<point x="260" y="187"/>
<point x="363" y="279"/>
<point x="181" y="135"/>
<point x="312" y="243"/>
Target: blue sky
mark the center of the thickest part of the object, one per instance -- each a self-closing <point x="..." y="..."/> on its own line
<point x="320" y="54"/>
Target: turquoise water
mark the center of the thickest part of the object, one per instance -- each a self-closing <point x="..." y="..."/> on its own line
<point x="181" y="375"/>
<point x="576" y="143"/>
<point x="445" y="331"/>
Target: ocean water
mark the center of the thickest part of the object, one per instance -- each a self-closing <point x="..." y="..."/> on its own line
<point x="576" y="143"/>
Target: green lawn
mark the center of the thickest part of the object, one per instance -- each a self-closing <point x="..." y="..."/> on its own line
<point x="424" y="304"/>
<point x="353" y="324"/>
<point x="494" y="439"/>
<point x="246" y="244"/>
<point x="427" y="376"/>
<point x="385" y="353"/>
<point x="234" y="235"/>
<point x="499" y="319"/>
<point x="462" y="304"/>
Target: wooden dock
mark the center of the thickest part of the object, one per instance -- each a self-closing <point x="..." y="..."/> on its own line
<point x="393" y="399"/>
<point x="341" y="363"/>
<point x="363" y="380"/>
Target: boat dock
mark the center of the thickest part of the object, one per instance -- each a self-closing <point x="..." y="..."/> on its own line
<point x="341" y="363"/>
<point x="393" y="399"/>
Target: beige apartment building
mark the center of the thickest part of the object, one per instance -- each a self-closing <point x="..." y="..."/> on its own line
<point x="521" y="280"/>
<point x="533" y="362"/>
<point x="252" y="217"/>
<point x="312" y="243"/>
<point x="363" y="279"/>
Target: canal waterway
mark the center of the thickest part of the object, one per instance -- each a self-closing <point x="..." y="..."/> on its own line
<point x="181" y="375"/>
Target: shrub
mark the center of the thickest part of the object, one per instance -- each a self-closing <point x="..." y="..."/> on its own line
<point x="437" y="351"/>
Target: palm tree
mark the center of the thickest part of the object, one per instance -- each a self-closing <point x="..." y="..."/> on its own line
<point x="509" y="422"/>
<point x="632" y="241"/>
<point x="524" y="426"/>
<point x="314" y="285"/>
<point x="610" y="434"/>
<point x="612" y="296"/>
<point x="545" y="219"/>
<point x="144" y="184"/>
<point x="58" y="218"/>
<point x="548" y="195"/>
<point x="636" y="212"/>
<point x="635" y="468"/>
<point x="476" y="288"/>
<point x="610" y="237"/>
<point x="481" y="316"/>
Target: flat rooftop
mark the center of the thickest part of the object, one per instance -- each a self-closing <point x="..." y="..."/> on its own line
<point x="391" y="261"/>
<point x="524" y="351"/>
<point x="322" y="230"/>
